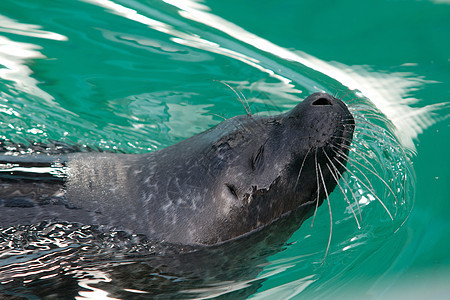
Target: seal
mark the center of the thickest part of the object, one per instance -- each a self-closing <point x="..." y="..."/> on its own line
<point x="226" y="182"/>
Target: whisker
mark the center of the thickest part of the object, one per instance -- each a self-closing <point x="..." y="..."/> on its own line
<point x="360" y="146"/>
<point x="362" y="106"/>
<point x="246" y="107"/>
<point x="395" y="146"/>
<point x="346" y="182"/>
<point x="246" y="101"/>
<point x="364" y="109"/>
<point x="342" y="190"/>
<point x="373" y="170"/>
<point x="335" y="94"/>
<point x="301" y="168"/>
<point x="375" y="116"/>
<point x="353" y="195"/>
<point x="373" y="126"/>
<point x="341" y="98"/>
<point x="318" y="189"/>
<point x="380" y="132"/>
<point x="348" y="160"/>
<point x="217" y="115"/>
<point x="331" y="215"/>
<point x="378" y="176"/>
<point x="373" y="192"/>
<point x="351" y="101"/>
<point x="379" y="138"/>
<point x="361" y="155"/>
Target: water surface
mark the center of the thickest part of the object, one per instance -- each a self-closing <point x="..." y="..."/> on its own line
<point x="137" y="76"/>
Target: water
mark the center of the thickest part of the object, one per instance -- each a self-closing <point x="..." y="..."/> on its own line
<point x="137" y="76"/>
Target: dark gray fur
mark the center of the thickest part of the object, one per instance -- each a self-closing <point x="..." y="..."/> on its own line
<point x="218" y="185"/>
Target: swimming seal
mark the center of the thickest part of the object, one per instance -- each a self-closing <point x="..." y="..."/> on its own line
<point x="225" y="182"/>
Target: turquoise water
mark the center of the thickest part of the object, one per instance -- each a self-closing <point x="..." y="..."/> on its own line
<point x="137" y="76"/>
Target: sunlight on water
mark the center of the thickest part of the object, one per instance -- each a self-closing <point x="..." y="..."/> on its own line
<point x="13" y="57"/>
<point x="89" y="278"/>
<point x="387" y="91"/>
<point x="11" y="26"/>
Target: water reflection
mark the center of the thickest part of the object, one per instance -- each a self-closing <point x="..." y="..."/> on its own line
<point x="189" y="39"/>
<point x="69" y="260"/>
<point x="389" y="92"/>
<point x="15" y="56"/>
<point x="87" y="279"/>
<point x="11" y="26"/>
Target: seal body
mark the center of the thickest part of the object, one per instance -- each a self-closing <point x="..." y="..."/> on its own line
<point x="226" y="182"/>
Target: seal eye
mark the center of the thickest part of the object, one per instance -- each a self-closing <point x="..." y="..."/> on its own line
<point x="232" y="190"/>
<point x="257" y="158"/>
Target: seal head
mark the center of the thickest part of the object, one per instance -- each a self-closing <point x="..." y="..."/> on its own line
<point x="289" y="162"/>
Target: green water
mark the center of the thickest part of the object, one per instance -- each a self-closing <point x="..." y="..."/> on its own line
<point x="141" y="75"/>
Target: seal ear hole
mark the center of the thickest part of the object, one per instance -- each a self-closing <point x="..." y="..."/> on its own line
<point x="232" y="189"/>
<point x="321" y="101"/>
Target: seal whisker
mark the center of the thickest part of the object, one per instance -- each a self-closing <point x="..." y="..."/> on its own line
<point x="342" y="97"/>
<point x="382" y="133"/>
<point x="335" y="94"/>
<point x="373" y="116"/>
<point x="318" y="188"/>
<point x="361" y="155"/>
<point x="356" y="146"/>
<point x="362" y="119"/>
<point x="337" y="91"/>
<point x="342" y="190"/>
<point x="346" y="182"/>
<point x="243" y="101"/>
<point x="217" y="115"/>
<point x="364" y="108"/>
<point x="301" y="168"/>
<point x="396" y="145"/>
<point x="330" y="212"/>
<point x="352" y="101"/>
<point x="344" y="121"/>
<point x="372" y="191"/>
<point x="363" y="104"/>
<point x="374" y="173"/>
<point x="348" y="160"/>
<point x="353" y="194"/>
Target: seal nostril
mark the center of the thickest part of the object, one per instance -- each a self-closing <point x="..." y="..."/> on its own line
<point x="321" y="101"/>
